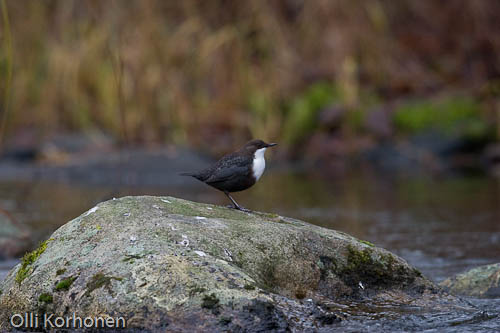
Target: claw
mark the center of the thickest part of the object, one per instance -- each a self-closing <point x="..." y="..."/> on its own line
<point x="235" y="204"/>
<point x="243" y="209"/>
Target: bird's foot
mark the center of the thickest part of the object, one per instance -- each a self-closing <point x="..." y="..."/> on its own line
<point x="243" y="209"/>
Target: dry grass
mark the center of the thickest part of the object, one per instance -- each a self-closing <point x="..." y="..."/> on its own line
<point x="197" y="71"/>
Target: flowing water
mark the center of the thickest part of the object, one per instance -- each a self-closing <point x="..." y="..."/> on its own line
<point x="440" y="225"/>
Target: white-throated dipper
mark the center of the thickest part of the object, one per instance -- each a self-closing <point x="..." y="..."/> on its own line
<point x="236" y="171"/>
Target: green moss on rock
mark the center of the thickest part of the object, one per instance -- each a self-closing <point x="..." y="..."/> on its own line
<point x="28" y="260"/>
<point x="45" y="298"/>
<point x="197" y="290"/>
<point x="100" y="280"/>
<point x="65" y="284"/>
<point x="210" y="302"/>
<point x="225" y="320"/>
<point x="130" y="258"/>
<point x="61" y="271"/>
<point x="380" y="273"/>
<point x="366" y="243"/>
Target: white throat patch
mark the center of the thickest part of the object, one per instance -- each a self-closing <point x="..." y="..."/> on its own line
<point x="259" y="163"/>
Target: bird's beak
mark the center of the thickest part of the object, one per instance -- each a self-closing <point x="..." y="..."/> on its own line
<point x="271" y="144"/>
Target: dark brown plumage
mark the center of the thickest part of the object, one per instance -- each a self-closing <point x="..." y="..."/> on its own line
<point x="236" y="171"/>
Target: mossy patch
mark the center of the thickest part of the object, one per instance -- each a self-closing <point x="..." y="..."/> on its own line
<point x="452" y="115"/>
<point x="225" y="320"/>
<point x="100" y="280"/>
<point x="28" y="260"/>
<point x="326" y="265"/>
<point x="417" y="272"/>
<point x="130" y="258"/>
<point x="45" y="298"/>
<point x="249" y="287"/>
<point x="366" y="243"/>
<point x="65" y="283"/>
<point x="267" y="269"/>
<point x="61" y="271"/>
<point x="378" y="273"/>
<point x="197" y="290"/>
<point x="211" y="302"/>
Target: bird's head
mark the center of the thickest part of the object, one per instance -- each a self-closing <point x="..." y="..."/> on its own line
<point x="255" y="145"/>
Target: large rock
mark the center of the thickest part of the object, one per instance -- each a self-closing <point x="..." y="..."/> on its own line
<point x="167" y="262"/>
<point x="483" y="281"/>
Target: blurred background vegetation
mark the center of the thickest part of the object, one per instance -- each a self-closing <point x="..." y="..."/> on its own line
<point x="102" y="99"/>
<point x="331" y="75"/>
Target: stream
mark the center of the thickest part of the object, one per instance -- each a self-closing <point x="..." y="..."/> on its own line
<point x="441" y="225"/>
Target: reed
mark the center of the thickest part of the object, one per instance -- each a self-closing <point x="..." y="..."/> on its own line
<point x="7" y="46"/>
<point x="196" y="72"/>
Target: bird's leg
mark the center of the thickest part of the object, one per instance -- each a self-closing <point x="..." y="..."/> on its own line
<point x="236" y="206"/>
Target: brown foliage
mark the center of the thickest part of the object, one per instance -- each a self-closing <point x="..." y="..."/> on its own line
<point x="177" y="71"/>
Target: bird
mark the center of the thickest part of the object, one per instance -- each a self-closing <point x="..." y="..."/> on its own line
<point x="236" y="171"/>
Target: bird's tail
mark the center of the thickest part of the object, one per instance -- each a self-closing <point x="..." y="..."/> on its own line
<point x="192" y="174"/>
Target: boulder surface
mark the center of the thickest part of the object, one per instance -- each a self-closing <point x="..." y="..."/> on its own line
<point x="167" y="263"/>
<point x="483" y="282"/>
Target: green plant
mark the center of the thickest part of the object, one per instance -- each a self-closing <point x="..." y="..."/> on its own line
<point x="28" y="260"/>
<point x="46" y="298"/>
<point x="301" y="117"/>
<point x="451" y="115"/>
<point x="65" y="283"/>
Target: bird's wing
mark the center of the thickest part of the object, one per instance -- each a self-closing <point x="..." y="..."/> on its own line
<point x="228" y="167"/>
